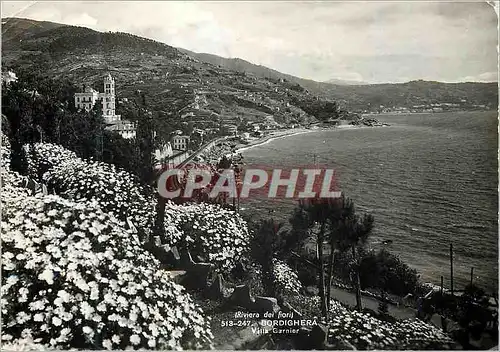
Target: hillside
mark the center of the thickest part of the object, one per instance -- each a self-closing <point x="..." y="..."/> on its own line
<point x="176" y="84"/>
<point x="208" y="90"/>
<point x="359" y="97"/>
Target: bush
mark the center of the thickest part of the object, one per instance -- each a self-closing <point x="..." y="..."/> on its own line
<point x="210" y="231"/>
<point x="218" y="234"/>
<point x="286" y="280"/>
<point x="381" y="270"/>
<point x="69" y="176"/>
<point x="391" y="273"/>
<point x="74" y="277"/>
<point x="367" y="332"/>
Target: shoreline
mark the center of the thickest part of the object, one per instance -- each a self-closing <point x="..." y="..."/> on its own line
<point x="273" y="136"/>
<point x="293" y="132"/>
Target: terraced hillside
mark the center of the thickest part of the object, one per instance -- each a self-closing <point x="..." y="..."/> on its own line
<point x="197" y="86"/>
<point x="176" y="84"/>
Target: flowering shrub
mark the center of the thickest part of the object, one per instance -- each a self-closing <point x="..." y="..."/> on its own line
<point x="366" y="332"/>
<point x="23" y="344"/>
<point x="211" y="231"/>
<point x="218" y="233"/>
<point x="286" y="280"/>
<point x="73" y="277"/>
<point x="4" y="152"/>
<point x="115" y="190"/>
<point x="42" y="157"/>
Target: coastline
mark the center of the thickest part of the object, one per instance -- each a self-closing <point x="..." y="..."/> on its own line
<point x="292" y="132"/>
<point x="273" y="136"/>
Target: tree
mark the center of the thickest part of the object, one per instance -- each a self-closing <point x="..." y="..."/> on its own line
<point x="341" y="210"/>
<point x="316" y="211"/>
<point x="383" y="306"/>
<point x="145" y="138"/>
<point x="264" y="245"/>
<point x="333" y="222"/>
<point x="82" y="132"/>
<point x="356" y="231"/>
<point x="145" y="147"/>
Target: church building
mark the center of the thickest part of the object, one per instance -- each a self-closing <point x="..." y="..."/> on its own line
<point x="87" y="99"/>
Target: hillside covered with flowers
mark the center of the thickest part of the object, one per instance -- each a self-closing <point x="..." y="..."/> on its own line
<point x="77" y="275"/>
<point x="218" y="234"/>
<point x="74" y="276"/>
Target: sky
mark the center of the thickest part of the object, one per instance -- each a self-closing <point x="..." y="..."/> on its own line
<point x="371" y="42"/>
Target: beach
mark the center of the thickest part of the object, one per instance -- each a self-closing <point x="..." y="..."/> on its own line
<point x="240" y="147"/>
<point x="274" y="135"/>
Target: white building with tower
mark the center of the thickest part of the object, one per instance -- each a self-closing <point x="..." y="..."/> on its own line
<point x="87" y="99"/>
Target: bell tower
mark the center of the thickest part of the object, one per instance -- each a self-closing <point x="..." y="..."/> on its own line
<point x="108" y="99"/>
<point x="109" y="84"/>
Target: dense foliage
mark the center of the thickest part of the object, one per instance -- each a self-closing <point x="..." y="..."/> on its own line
<point x="74" y="277"/>
<point x="39" y="109"/>
<point x="380" y="270"/>
<point x="365" y="332"/>
<point x="217" y="234"/>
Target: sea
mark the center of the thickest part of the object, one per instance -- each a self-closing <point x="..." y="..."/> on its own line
<point x="430" y="180"/>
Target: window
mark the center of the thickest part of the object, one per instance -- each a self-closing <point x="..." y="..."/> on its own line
<point x="109" y="112"/>
<point x="108" y="85"/>
<point x="78" y="99"/>
<point x="107" y="105"/>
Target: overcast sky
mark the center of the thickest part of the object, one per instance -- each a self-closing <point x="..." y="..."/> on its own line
<point x="365" y="41"/>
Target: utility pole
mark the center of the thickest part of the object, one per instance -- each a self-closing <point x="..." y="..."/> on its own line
<point x="451" y="268"/>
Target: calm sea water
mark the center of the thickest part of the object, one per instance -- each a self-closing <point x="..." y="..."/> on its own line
<point x="429" y="180"/>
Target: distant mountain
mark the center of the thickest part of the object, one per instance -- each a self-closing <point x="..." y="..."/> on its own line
<point x="361" y="96"/>
<point x="414" y="95"/>
<point x="233" y="89"/>
<point x="15" y="30"/>
<point x="240" y="65"/>
<point x="344" y="82"/>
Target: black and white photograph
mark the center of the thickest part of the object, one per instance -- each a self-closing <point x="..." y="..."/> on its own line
<point x="249" y="175"/>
